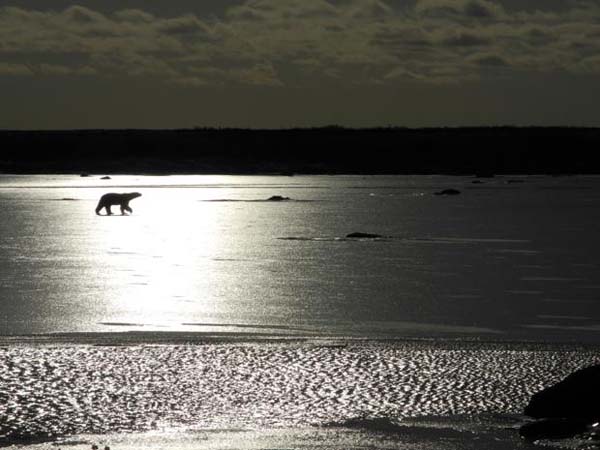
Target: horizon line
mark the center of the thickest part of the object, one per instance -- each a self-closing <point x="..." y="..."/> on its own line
<point x="308" y="128"/>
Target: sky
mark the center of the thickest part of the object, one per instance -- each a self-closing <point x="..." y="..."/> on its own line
<point x="298" y="63"/>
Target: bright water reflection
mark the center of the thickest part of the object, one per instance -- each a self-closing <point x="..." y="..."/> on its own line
<point x="500" y="260"/>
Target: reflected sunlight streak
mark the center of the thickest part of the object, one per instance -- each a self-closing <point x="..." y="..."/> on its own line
<point x="153" y="258"/>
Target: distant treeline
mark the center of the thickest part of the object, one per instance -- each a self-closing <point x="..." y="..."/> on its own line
<point x="328" y="150"/>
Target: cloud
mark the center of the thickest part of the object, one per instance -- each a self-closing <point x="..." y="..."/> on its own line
<point x="182" y="26"/>
<point x="134" y="16"/>
<point x="370" y="9"/>
<point x="54" y="69"/>
<point x="488" y="60"/>
<point x="282" y="10"/>
<point x="472" y="9"/>
<point x="290" y="42"/>
<point x="465" y="39"/>
<point x="81" y="16"/>
<point x="589" y="65"/>
<point x="14" y="69"/>
<point x="263" y="74"/>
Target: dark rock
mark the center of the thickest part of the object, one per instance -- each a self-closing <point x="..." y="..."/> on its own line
<point x="477" y="182"/>
<point x="277" y="198"/>
<point x="105" y="178"/>
<point x="577" y="397"/>
<point x="359" y="235"/>
<point x="84" y="175"/>
<point x="448" y="192"/>
<point x="553" y="429"/>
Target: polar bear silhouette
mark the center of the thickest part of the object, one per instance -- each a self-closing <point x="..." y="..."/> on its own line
<point x="111" y="199"/>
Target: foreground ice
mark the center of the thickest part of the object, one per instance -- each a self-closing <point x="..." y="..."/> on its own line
<point x="265" y="394"/>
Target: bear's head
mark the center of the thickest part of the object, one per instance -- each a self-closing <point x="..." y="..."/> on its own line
<point x="134" y="195"/>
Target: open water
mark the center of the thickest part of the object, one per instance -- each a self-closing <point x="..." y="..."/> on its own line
<point x="213" y="318"/>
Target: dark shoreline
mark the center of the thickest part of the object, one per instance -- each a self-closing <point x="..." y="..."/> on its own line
<point x="329" y="150"/>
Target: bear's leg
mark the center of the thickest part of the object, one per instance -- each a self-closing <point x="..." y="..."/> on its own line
<point x="101" y="205"/>
<point x="127" y="208"/>
<point x="108" y="211"/>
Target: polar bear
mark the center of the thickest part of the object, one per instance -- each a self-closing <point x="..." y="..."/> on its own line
<point x="108" y="200"/>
